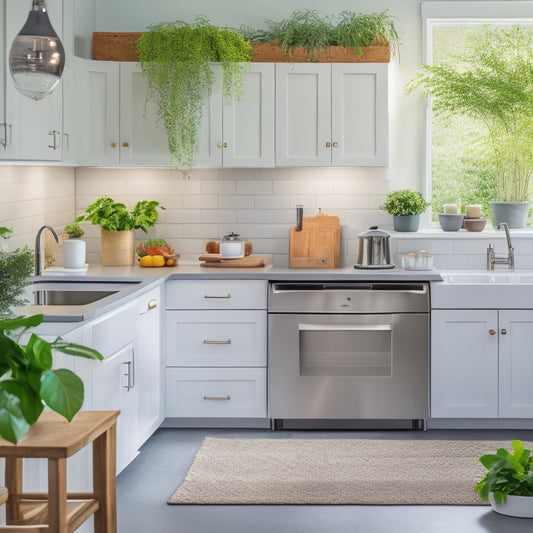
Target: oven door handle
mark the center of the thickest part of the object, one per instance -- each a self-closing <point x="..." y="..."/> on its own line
<point x="345" y="327"/>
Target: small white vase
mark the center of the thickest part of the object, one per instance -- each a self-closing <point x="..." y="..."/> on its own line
<point x="519" y="506"/>
<point x="73" y="253"/>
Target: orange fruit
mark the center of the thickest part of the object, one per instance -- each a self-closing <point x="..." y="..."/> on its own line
<point x="146" y="261"/>
<point x="158" y="260"/>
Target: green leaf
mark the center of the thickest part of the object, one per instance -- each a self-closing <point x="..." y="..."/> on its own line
<point x="10" y="324"/>
<point x="62" y="391"/>
<point x="13" y="425"/>
<point x="78" y="350"/>
<point x="30" y="401"/>
<point x="39" y="352"/>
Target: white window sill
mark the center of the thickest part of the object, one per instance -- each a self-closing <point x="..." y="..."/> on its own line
<point x="437" y="233"/>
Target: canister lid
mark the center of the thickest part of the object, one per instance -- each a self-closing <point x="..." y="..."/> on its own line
<point x="231" y="237"/>
<point x="373" y="231"/>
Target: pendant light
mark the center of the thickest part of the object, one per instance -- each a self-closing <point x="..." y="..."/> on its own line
<point x="37" y="56"/>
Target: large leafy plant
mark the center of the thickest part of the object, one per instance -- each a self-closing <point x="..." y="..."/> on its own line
<point x="16" y="267"/>
<point x="509" y="473"/>
<point x="405" y="202"/>
<point x="175" y="59"/>
<point x="115" y="216"/>
<point x="492" y="83"/>
<point x="28" y="382"/>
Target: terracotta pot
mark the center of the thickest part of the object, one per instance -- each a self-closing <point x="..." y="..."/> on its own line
<point x="117" y="248"/>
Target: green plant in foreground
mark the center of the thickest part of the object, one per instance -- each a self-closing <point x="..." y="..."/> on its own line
<point x="508" y="473"/>
<point x="114" y="216"/>
<point x="27" y="381"/>
<point x="16" y="267"/>
<point x="175" y="59"/>
<point x="492" y="82"/>
<point x="405" y="202"/>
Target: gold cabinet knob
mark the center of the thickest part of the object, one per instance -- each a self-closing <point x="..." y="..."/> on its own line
<point x="125" y="145"/>
<point x="225" y="145"/>
<point x="219" y="145"/>
<point x="328" y="144"/>
<point x="492" y="332"/>
<point x="113" y="145"/>
<point x="504" y="332"/>
<point x="335" y="145"/>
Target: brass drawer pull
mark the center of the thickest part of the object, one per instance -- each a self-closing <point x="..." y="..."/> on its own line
<point x="492" y="332"/>
<point x="504" y="332"/>
<point x="224" y="398"/>
<point x="205" y="341"/>
<point x="207" y="296"/>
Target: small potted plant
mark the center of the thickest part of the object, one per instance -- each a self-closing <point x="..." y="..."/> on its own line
<point x="405" y="206"/>
<point x="508" y="484"/>
<point x="118" y="226"/>
<point x="73" y="248"/>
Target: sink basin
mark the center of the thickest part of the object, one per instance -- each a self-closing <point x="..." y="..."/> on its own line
<point x="74" y="297"/>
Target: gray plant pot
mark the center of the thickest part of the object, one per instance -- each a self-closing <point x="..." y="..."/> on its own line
<point x="514" y="213"/>
<point x="406" y="222"/>
<point x="451" y="222"/>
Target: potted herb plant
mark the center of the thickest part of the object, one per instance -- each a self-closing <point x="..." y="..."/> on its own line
<point x="118" y="226"/>
<point x="175" y="59"/>
<point x="405" y="206"/>
<point x="508" y="484"/>
<point x="492" y="86"/>
<point x="74" y="249"/>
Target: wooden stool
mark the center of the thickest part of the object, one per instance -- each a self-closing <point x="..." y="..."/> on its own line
<point x="57" y="511"/>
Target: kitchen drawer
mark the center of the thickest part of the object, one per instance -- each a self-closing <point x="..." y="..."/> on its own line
<point x="216" y="294"/>
<point x="216" y="392"/>
<point x="114" y="330"/>
<point x="216" y="338"/>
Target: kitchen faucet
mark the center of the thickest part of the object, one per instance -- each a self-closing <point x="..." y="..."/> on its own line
<point x="38" y="247"/>
<point x="493" y="258"/>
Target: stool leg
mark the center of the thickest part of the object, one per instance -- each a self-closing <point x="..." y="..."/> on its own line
<point x="104" y="481"/>
<point x="57" y="495"/>
<point x="14" y="488"/>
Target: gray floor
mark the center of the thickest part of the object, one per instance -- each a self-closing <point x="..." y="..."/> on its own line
<point x="145" y="485"/>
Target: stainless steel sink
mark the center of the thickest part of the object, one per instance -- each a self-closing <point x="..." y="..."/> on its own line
<point x="66" y="297"/>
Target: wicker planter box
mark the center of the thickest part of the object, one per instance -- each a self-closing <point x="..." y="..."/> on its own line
<point x="120" y="46"/>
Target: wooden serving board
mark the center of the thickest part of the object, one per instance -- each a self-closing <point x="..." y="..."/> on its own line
<point x="317" y="244"/>
<point x="249" y="261"/>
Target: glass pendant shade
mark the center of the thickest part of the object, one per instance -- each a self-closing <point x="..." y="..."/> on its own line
<point x="37" y="56"/>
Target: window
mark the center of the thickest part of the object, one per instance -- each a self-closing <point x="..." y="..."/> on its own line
<point x="457" y="168"/>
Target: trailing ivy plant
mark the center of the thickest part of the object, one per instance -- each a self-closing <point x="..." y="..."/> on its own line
<point x="492" y="83"/>
<point x="28" y="382"/>
<point x="312" y="31"/>
<point x="16" y="267"/>
<point x="175" y="59"/>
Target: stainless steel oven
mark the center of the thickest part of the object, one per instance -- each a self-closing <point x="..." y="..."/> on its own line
<point x="346" y="354"/>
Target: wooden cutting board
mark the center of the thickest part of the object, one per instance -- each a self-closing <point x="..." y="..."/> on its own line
<point x="249" y="261"/>
<point x="317" y="244"/>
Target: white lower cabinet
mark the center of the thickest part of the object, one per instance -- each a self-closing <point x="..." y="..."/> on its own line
<point x="216" y="349"/>
<point x="481" y="363"/>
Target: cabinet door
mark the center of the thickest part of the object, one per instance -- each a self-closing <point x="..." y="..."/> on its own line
<point x="464" y="364"/>
<point x="149" y="364"/>
<point x="143" y="139"/>
<point x="68" y="138"/>
<point x="516" y="364"/>
<point x="97" y="112"/>
<point x="303" y="114"/>
<point x="35" y="126"/>
<point x="114" y="388"/>
<point x="359" y="120"/>
<point x="248" y="124"/>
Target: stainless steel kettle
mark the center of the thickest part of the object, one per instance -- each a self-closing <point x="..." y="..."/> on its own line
<point x="374" y="249"/>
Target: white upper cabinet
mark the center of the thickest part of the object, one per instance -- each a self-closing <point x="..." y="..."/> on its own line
<point x="240" y="133"/>
<point x="34" y="128"/>
<point x="97" y="112"/>
<point x="331" y="114"/>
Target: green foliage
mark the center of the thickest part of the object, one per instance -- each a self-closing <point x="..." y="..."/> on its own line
<point x="114" y="216"/>
<point x="405" y="202"/>
<point x="175" y="59"/>
<point x="312" y="31"/>
<point x="27" y="381"/>
<point x="491" y="83"/>
<point x="508" y="473"/>
<point x="16" y="267"/>
<point x="74" y="230"/>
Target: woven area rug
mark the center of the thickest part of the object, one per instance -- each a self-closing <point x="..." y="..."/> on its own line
<point x="335" y="471"/>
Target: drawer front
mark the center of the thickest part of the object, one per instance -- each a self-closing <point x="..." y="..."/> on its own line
<point x="216" y="392"/>
<point x="216" y="294"/>
<point x="216" y="338"/>
<point x="115" y="329"/>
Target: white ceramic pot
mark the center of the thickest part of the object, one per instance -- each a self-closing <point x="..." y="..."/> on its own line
<point x="519" y="506"/>
<point x="73" y="253"/>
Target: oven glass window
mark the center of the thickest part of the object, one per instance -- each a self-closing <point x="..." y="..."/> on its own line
<point x="345" y="350"/>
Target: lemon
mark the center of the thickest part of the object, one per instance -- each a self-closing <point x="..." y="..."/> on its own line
<point x="146" y="261"/>
<point x="158" y="260"/>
